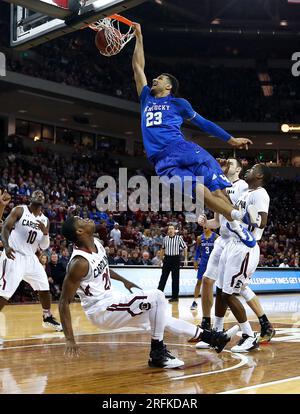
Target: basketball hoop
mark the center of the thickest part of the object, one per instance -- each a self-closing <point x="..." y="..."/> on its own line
<point x="109" y="38"/>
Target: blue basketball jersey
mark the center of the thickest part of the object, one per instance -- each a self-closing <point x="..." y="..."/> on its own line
<point x="162" y="119"/>
<point x="204" y="249"/>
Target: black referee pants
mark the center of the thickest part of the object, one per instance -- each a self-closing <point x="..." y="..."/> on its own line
<point x="171" y="264"/>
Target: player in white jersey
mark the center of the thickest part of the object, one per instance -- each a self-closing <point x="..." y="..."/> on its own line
<point x="25" y="230"/>
<point x="238" y="188"/>
<point x="88" y="273"/>
<point x="237" y="264"/>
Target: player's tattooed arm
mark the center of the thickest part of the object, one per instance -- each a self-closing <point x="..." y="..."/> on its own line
<point x="8" y="225"/>
<point x="138" y="60"/>
<point x="129" y="285"/>
<point x="77" y="270"/>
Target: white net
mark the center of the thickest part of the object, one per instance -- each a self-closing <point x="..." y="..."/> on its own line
<point x="112" y="31"/>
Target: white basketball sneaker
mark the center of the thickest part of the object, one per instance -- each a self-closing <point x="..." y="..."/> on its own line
<point x="202" y="345"/>
<point x="247" y="343"/>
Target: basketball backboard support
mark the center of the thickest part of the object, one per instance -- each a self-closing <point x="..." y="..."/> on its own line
<point x="35" y="22"/>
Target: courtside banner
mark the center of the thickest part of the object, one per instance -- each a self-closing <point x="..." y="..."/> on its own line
<point x="264" y="279"/>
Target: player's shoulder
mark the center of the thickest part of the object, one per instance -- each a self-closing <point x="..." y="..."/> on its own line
<point x="260" y="193"/>
<point x="242" y="184"/>
<point x="98" y="243"/>
<point x="180" y="102"/>
<point x="145" y="92"/>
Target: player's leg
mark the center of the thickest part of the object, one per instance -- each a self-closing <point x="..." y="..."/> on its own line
<point x="140" y="310"/>
<point x="11" y="272"/>
<point x="241" y="262"/>
<point x="175" y="280"/>
<point x="267" y="331"/>
<point x="194" y="305"/>
<point x="38" y="280"/>
<point x="166" y="269"/>
<point x="209" y="278"/>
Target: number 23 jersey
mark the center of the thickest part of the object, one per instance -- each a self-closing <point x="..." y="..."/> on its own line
<point x="26" y="236"/>
<point x="162" y="119"/>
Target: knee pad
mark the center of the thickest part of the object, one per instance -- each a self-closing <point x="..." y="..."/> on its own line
<point x="247" y="293"/>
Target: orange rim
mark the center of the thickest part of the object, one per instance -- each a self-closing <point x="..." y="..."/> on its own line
<point x="121" y="19"/>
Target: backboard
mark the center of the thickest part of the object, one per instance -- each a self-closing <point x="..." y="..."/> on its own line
<point x="34" y="22"/>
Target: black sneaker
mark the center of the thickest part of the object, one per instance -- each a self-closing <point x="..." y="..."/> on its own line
<point x="51" y="322"/>
<point x="266" y="334"/>
<point x="194" y="306"/>
<point x="218" y="340"/>
<point x="173" y="300"/>
<point x="162" y="358"/>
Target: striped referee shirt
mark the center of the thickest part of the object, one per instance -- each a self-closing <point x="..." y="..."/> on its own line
<point x="173" y="245"/>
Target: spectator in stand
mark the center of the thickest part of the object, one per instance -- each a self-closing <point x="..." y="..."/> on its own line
<point x="157" y="240"/>
<point x="135" y="258"/>
<point x="115" y="235"/>
<point x="64" y="258"/>
<point x="129" y="236"/>
<point x="284" y="264"/>
<point x="146" y="259"/>
<point x="102" y="232"/>
<point x="124" y="260"/>
<point x="56" y="271"/>
<point x="43" y="258"/>
<point x="157" y="260"/>
<point x="110" y="222"/>
<point x="147" y="239"/>
<point x="110" y="251"/>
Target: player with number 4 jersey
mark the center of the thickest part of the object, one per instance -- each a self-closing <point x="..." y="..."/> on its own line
<point x="26" y="230"/>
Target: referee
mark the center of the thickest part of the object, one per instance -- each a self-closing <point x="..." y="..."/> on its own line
<point x="172" y="247"/>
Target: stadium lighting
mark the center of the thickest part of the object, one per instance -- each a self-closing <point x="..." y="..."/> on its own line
<point x="283" y="23"/>
<point x="285" y="128"/>
<point x="269" y="143"/>
<point x="216" y="21"/>
<point x="290" y="128"/>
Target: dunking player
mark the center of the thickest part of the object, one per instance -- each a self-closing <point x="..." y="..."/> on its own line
<point x="24" y="231"/>
<point x="88" y="274"/>
<point x="166" y="147"/>
<point x="204" y="248"/>
<point x="239" y="187"/>
<point x="238" y="262"/>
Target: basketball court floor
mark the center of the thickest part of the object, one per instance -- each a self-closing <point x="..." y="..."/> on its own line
<point x="32" y="359"/>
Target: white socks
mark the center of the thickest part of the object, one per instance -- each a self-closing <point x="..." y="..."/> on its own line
<point x="246" y="328"/>
<point x="179" y="326"/>
<point x="218" y="323"/>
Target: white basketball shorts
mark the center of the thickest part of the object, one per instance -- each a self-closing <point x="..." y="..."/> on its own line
<point x="27" y="268"/>
<point x="211" y="271"/>
<point x="124" y="310"/>
<point x="237" y="264"/>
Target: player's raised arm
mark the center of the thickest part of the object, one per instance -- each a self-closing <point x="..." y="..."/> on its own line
<point x="77" y="270"/>
<point x="138" y="60"/>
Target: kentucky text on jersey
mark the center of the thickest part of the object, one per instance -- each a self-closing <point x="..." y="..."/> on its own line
<point x="162" y="119"/>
